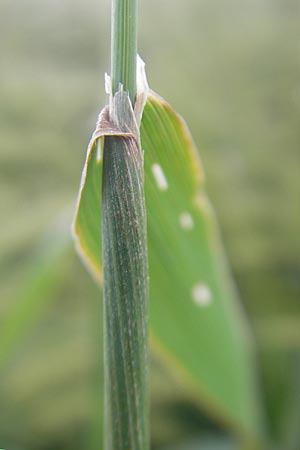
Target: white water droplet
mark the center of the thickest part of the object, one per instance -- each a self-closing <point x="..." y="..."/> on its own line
<point x="201" y="294"/>
<point x="186" y="221"/>
<point x="160" y="177"/>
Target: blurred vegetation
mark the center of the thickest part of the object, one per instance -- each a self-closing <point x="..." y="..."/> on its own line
<point x="231" y="68"/>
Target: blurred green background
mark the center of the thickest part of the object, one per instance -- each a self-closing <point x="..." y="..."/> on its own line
<point x="232" y="69"/>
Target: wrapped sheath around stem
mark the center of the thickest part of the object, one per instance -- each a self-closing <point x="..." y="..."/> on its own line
<point x="125" y="281"/>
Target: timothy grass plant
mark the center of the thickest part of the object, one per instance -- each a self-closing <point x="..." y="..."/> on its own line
<point x="196" y="325"/>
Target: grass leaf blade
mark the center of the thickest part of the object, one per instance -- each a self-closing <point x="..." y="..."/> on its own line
<point x="196" y="323"/>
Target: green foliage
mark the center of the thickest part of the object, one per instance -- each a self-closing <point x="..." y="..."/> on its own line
<point x="237" y="84"/>
<point x="43" y="276"/>
<point x="195" y="322"/>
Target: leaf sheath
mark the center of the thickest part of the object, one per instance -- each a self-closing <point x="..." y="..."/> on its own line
<point x="125" y="283"/>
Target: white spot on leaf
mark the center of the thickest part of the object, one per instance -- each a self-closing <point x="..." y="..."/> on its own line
<point x="160" y="177"/>
<point x="99" y="150"/>
<point x="201" y="294"/>
<point x="186" y="221"/>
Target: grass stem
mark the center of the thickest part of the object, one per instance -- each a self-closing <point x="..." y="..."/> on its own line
<point x="124" y="46"/>
<point x="124" y="255"/>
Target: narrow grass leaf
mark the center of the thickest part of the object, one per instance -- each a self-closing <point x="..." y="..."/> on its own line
<point x="43" y="275"/>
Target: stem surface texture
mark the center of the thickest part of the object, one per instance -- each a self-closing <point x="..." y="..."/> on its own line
<point x="124" y="46"/>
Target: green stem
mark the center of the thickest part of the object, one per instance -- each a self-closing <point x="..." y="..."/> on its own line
<point x="125" y="282"/>
<point x="124" y="256"/>
<point x="124" y="46"/>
